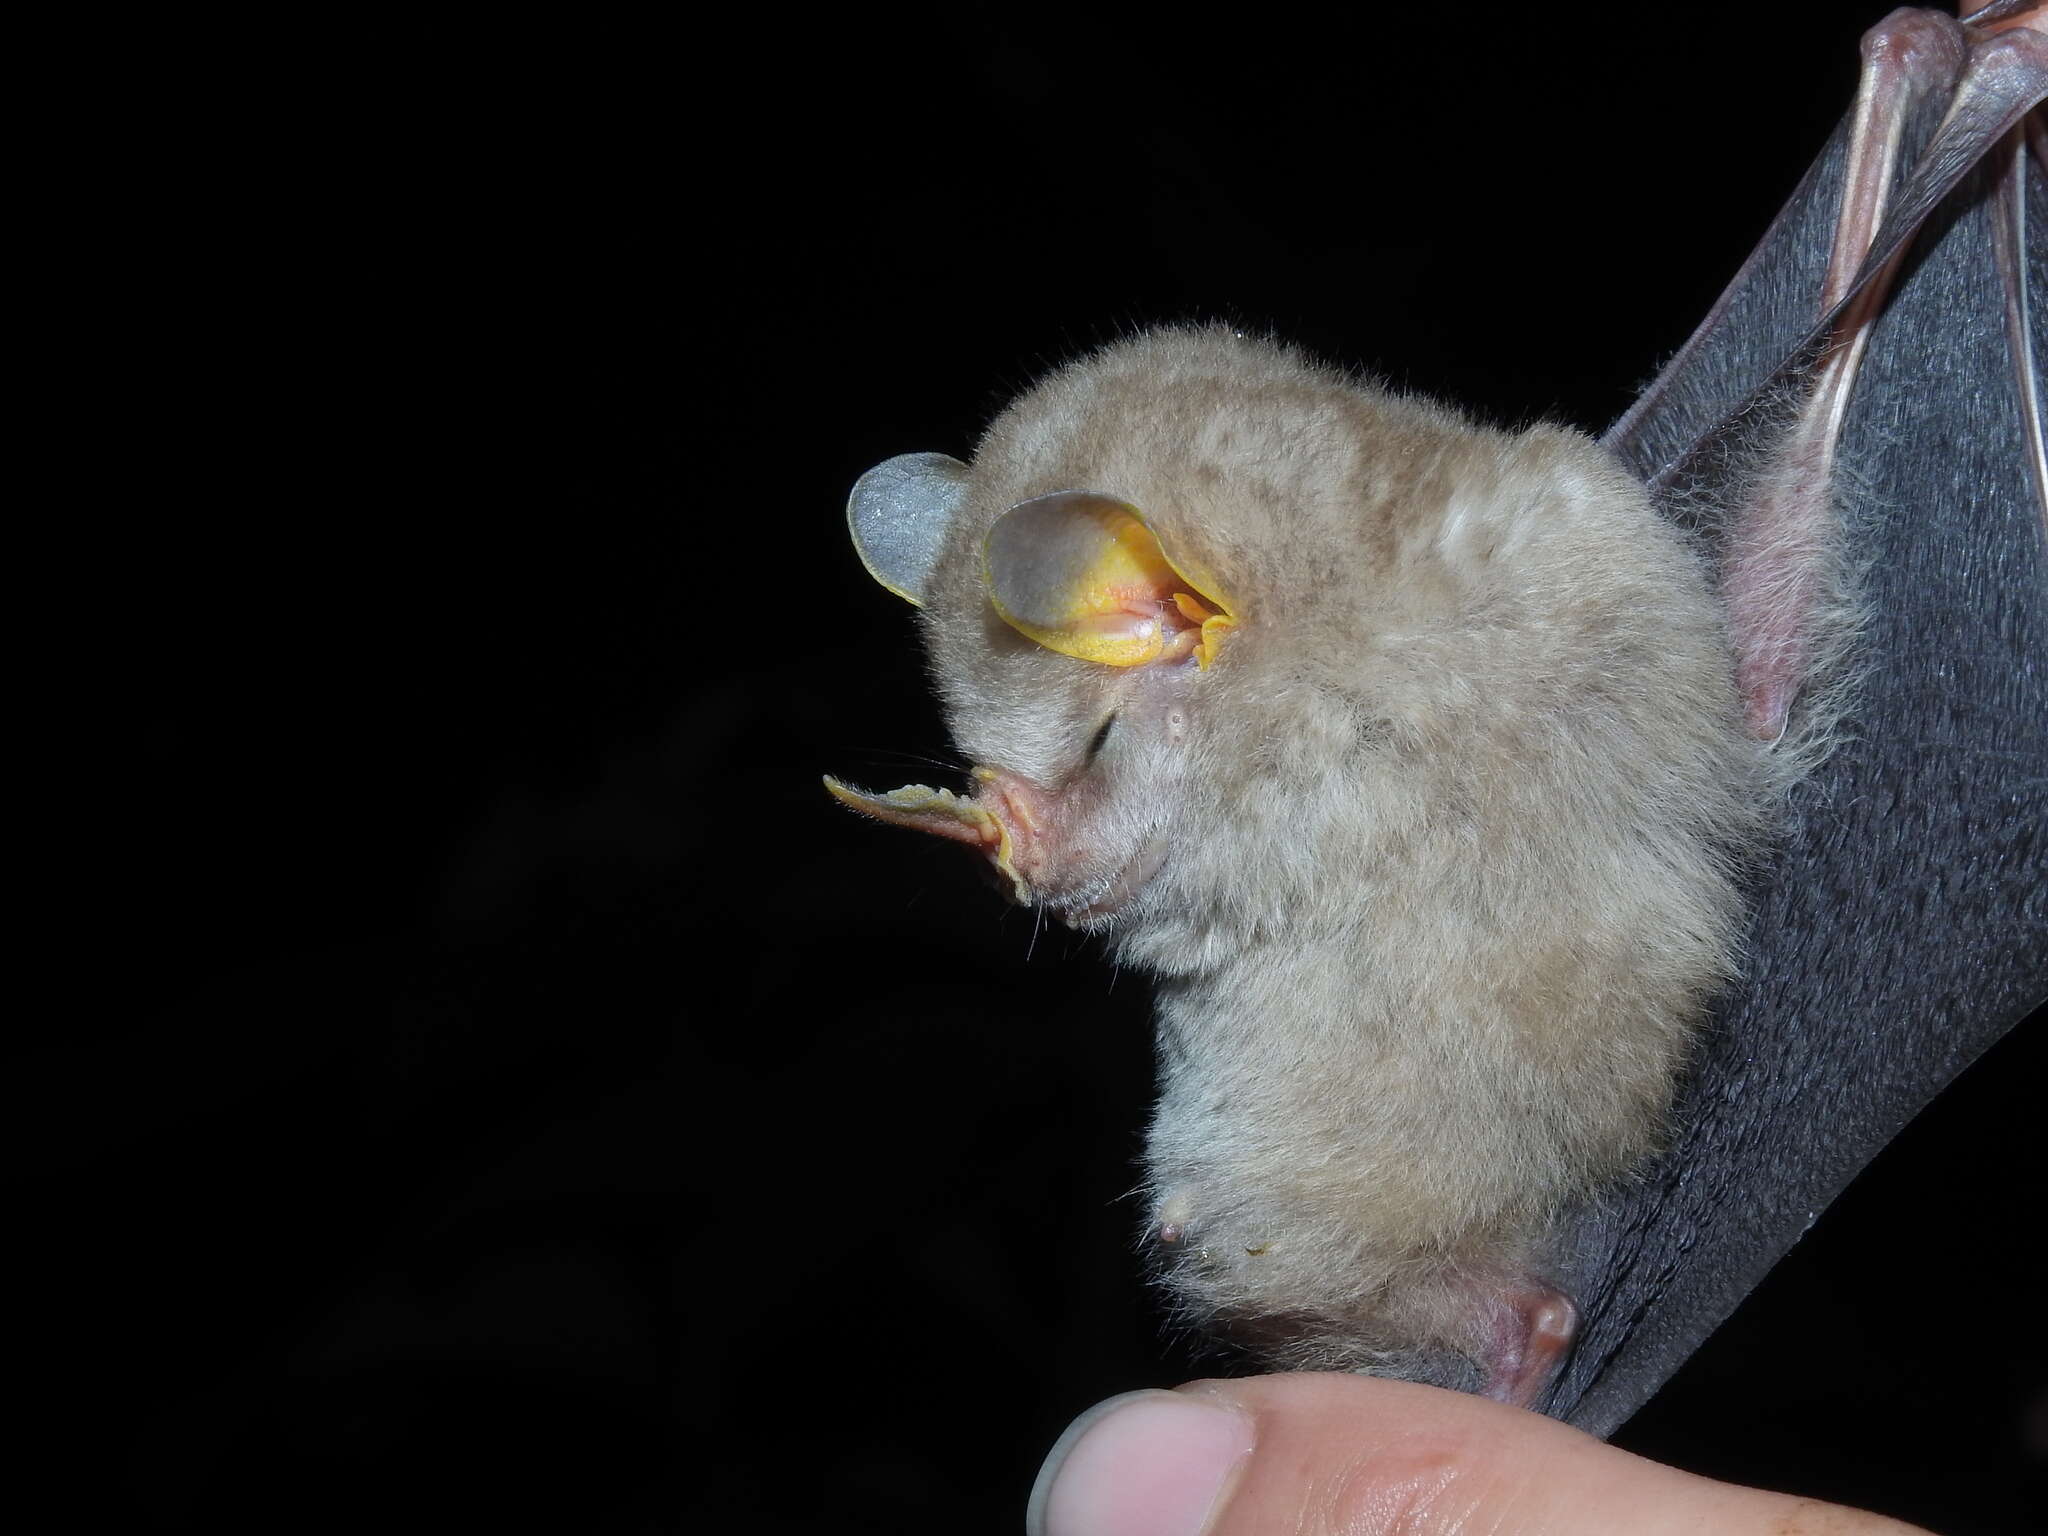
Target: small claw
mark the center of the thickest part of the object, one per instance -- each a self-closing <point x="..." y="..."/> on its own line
<point x="1533" y="1330"/>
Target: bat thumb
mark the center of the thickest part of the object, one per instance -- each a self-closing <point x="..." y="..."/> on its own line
<point x="1329" y="1453"/>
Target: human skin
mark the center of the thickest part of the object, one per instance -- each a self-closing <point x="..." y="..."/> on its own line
<point x="1321" y="1454"/>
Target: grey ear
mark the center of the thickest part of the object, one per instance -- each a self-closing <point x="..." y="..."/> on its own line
<point x="898" y="514"/>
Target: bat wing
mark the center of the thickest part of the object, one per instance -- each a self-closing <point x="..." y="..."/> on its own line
<point x="1902" y="926"/>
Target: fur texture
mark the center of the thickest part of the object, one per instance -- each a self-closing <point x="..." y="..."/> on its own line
<point x="1445" y="841"/>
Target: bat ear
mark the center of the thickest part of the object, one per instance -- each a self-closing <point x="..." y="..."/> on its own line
<point x="1081" y="574"/>
<point x="898" y="514"/>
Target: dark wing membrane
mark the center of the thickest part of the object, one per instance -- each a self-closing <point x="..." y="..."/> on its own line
<point x="1758" y="329"/>
<point x="1904" y="924"/>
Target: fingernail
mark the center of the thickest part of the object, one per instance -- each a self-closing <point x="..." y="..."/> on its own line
<point x="1143" y="1464"/>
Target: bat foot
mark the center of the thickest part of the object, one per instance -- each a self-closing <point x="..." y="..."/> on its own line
<point x="1529" y="1334"/>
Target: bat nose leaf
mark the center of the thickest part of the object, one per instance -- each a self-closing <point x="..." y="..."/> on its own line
<point x="943" y="814"/>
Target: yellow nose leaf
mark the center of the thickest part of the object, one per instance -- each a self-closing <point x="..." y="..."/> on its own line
<point x="944" y="814"/>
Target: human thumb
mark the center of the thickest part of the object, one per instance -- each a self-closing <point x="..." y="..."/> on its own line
<point x="1315" y="1455"/>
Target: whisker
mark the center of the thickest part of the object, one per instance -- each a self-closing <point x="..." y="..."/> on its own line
<point x="898" y="755"/>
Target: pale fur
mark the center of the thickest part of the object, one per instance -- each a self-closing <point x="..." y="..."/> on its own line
<point x="1451" y="827"/>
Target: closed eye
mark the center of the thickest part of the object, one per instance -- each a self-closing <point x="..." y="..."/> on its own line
<point x="1101" y="735"/>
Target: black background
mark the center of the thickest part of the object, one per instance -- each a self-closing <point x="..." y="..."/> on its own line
<point x="492" y="1086"/>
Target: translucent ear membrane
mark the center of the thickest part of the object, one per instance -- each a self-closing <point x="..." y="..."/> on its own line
<point x="898" y="515"/>
<point x="1081" y="574"/>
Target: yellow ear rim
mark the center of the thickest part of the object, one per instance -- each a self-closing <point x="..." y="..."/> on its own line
<point x="1083" y="575"/>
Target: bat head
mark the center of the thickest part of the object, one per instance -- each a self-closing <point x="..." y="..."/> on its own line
<point x="1072" y="647"/>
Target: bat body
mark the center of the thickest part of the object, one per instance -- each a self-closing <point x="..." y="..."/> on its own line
<point x="1440" y="846"/>
<point x="1426" y="767"/>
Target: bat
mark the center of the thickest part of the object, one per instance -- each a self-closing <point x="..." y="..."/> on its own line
<point x="1471" y="795"/>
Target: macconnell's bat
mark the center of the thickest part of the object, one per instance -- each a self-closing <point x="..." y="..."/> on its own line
<point x="1445" y="777"/>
